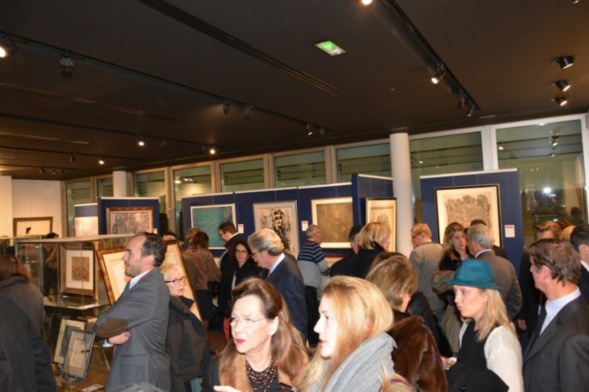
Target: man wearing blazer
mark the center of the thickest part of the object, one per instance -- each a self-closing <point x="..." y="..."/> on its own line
<point x="285" y="276"/>
<point x="580" y="239"/>
<point x="480" y="244"/>
<point x="140" y="353"/>
<point x="557" y="357"/>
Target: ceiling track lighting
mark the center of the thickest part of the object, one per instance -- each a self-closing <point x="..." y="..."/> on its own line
<point x="366" y="3"/>
<point x="574" y="2"/>
<point x="309" y="129"/>
<point x="7" y="47"/>
<point x="42" y="170"/>
<point x="212" y="150"/>
<point x="226" y="106"/>
<point x="562" y="85"/>
<point x="461" y="100"/>
<point x="73" y="157"/>
<point x="439" y="75"/>
<point x="560" y="101"/>
<point x="67" y="65"/>
<point x="141" y="142"/>
<point x="164" y="144"/>
<point x="471" y="109"/>
<point x="101" y="161"/>
<point x="565" y="61"/>
<point x="322" y="133"/>
<point x="247" y="112"/>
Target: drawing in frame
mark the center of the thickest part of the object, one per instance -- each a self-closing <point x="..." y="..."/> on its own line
<point x="79" y="351"/>
<point x="129" y="220"/>
<point x="282" y="218"/>
<point x="174" y="257"/>
<point x="78" y="272"/>
<point x="65" y="329"/>
<point x="113" y="271"/>
<point x="85" y="226"/>
<point x="208" y="218"/>
<point x="463" y="204"/>
<point x="383" y="210"/>
<point x="32" y="226"/>
<point x="335" y="218"/>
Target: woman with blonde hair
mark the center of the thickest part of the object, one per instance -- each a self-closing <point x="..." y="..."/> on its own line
<point x="416" y="356"/>
<point x="354" y="351"/>
<point x="490" y="357"/>
<point x="373" y="239"/>
<point x="266" y="352"/>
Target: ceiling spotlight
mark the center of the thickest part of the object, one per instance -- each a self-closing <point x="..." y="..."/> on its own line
<point x="565" y="61"/>
<point x="141" y="142"/>
<point x="562" y="85"/>
<point x="164" y="144"/>
<point x="212" y="150"/>
<point x="330" y="48"/>
<point x="53" y="171"/>
<point x="461" y="100"/>
<point x="552" y="155"/>
<point x="574" y="1"/>
<point x="309" y="129"/>
<point x="322" y="132"/>
<point x="470" y="111"/>
<point x="226" y="106"/>
<point x="67" y="65"/>
<point x="73" y="157"/>
<point x="439" y="75"/>
<point x="41" y="170"/>
<point x="7" y="47"/>
<point x="366" y="3"/>
<point x="101" y="161"/>
<point x="247" y="111"/>
<point x="560" y="101"/>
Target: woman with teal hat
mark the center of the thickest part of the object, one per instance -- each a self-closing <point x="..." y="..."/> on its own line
<point x="490" y="357"/>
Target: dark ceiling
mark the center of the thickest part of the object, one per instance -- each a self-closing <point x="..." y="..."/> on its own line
<point x="162" y="70"/>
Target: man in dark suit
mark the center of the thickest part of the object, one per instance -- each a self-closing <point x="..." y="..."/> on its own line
<point x="140" y="354"/>
<point x="580" y="239"/>
<point x="285" y="276"/>
<point x="557" y="357"/>
<point x="480" y="244"/>
<point x="227" y="264"/>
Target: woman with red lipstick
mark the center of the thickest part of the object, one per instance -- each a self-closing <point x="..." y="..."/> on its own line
<point x="490" y="357"/>
<point x="266" y="350"/>
<point x="354" y="351"/>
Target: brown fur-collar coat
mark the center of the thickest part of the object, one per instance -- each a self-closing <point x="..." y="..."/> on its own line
<point x="416" y="356"/>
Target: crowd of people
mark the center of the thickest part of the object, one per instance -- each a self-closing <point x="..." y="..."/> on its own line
<point x="453" y="316"/>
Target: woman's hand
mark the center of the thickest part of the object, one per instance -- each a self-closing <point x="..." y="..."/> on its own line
<point x="448" y="362"/>
<point x="225" y="388"/>
<point x="119" y="339"/>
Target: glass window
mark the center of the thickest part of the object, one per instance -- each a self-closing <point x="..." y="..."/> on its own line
<point x="375" y="159"/>
<point x="443" y="155"/>
<point x="153" y="184"/>
<point x="188" y="182"/>
<point x="78" y="192"/>
<point x="242" y="175"/>
<point x="550" y="159"/>
<point x="104" y="187"/>
<point x="300" y="169"/>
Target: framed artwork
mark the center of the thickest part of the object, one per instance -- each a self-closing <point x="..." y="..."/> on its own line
<point x="335" y="217"/>
<point x="32" y="226"/>
<point x="464" y="204"/>
<point x="85" y="226"/>
<point x="174" y="257"/>
<point x="113" y="270"/>
<point x="65" y="329"/>
<point x="79" y="351"/>
<point x="281" y="217"/>
<point x="77" y="271"/>
<point x="208" y="219"/>
<point x="384" y="211"/>
<point x="129" y="220"/>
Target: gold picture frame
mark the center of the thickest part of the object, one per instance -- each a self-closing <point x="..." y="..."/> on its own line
<point x="129" y="220"/>
<point x="113" y="271"/>
<point x="78" y="271"/>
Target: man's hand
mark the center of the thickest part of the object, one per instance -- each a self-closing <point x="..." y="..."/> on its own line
<point x="119" y="339"/>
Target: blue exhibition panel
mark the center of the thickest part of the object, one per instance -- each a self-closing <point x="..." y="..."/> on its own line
<point x="364" y="187"/>
<point x="82" y="210"/>
<point x="510" y="207"/>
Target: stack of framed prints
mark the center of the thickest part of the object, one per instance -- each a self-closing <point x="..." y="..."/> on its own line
<point x="79" y="352"/>
<point x="65" y="329"/>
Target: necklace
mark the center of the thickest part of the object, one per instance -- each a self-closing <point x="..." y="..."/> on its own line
<point x="264" y="378"/>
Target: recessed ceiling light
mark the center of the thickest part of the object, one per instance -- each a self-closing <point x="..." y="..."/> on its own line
<point x="560" y="101"/>
<point x="565" y="61"/>
<point x="562" y="85"/>
<point x="366" y="3"/>
<point x="330" y="48"/>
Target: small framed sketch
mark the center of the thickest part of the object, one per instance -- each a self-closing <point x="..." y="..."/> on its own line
<point x="32" y="226"/>
<point x="113" y="270"/>
<point x="282" y="218"/>
<point x="79" y="351"/>
<point x="65" y="329"/>
<point x="129" y="220"/>
<point x="335" y="218"/>
<point x="384" y="211"/>
<point x="463" y="204"/>
<point x="208" y="219"/>
<point x="85" y="226"/>
<point x="77" y="272"/>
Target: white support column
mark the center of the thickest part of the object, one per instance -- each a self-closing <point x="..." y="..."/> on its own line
<point x="119" y="183"/>
<point x="403" y="191"/>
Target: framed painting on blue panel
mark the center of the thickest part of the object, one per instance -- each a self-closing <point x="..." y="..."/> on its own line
<point x="283" y="219"/>
<point x="335" y="218"/>
<point x="208" y="219"/>
<point x="385" y="211"/>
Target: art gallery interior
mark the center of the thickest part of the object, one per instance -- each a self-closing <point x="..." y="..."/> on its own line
<point x="233" y="102"/>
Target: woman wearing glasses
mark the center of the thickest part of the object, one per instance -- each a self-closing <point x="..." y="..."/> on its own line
<point x="266" y="351"/>
<point x="186" y="340"/>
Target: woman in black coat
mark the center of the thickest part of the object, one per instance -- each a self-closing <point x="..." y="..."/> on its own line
<point x="186" y="340"/>
<point x="373" y="239"/>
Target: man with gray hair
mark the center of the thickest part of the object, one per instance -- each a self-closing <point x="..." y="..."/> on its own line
<point x="312" y="263"/>
<point x="480" y="244"/>
<point x="284" y="274"/>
